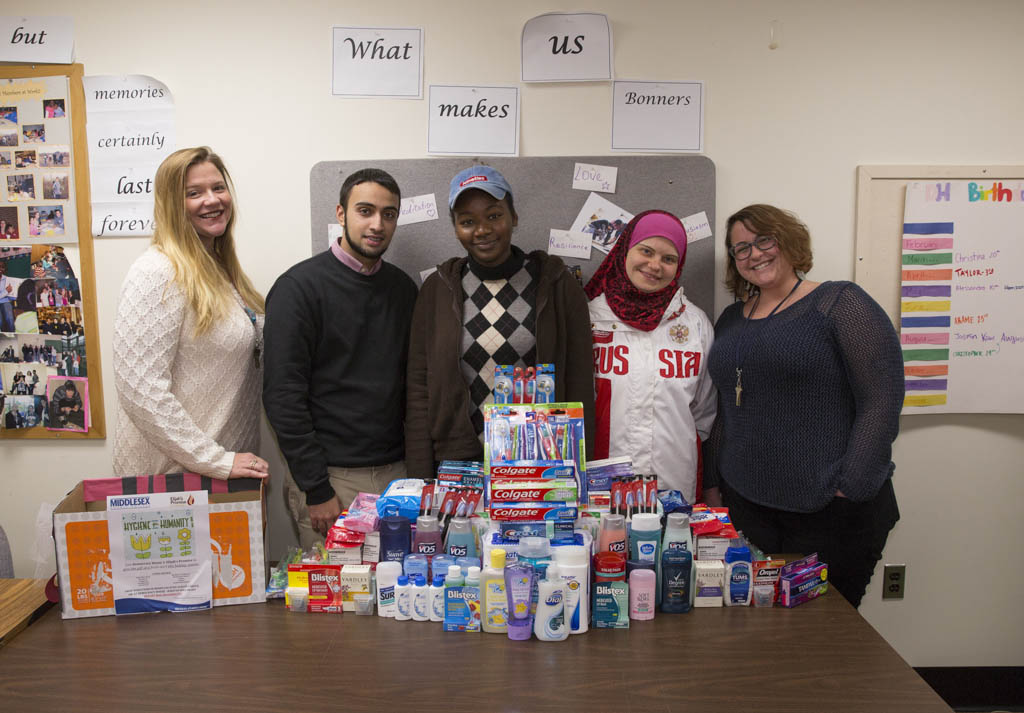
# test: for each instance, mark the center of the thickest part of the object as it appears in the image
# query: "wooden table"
(821, 656)
(20, 599)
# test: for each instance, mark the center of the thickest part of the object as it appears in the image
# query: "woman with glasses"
(810, 384)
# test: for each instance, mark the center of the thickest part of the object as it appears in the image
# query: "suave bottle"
(493, 603)
(549, 623)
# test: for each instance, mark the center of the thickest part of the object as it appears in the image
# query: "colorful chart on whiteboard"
(962, 296)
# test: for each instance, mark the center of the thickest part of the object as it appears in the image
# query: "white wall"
(872, 82)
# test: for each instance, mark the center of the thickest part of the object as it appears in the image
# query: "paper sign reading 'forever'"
(569, 244)
(590, 177)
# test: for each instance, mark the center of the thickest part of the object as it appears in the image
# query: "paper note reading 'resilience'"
(569, 244)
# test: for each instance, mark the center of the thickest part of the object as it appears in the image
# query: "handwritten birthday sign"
(962, 297)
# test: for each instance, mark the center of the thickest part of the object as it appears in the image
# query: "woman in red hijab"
(655, 400)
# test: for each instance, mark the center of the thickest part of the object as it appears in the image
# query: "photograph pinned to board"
(20, 379)
(603, 220)
(23, 411)
(8, 221)
(36, 126)
(68, 398)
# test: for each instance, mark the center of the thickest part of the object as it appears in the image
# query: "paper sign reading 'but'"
(569, 244)
(590, 177)
(697, 226)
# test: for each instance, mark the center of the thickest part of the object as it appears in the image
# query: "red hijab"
(641, 310)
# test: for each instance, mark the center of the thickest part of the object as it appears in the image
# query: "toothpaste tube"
(524, 491)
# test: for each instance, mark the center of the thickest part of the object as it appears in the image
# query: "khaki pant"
(347, 483)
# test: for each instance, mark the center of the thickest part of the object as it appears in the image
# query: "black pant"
(849, 537)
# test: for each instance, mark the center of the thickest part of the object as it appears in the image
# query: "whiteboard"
(946, 260)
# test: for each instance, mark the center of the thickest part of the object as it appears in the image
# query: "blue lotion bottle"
(739, 581)
(461, 541)
(676, 581)
(645, 542)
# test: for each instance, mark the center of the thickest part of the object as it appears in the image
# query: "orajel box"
(83, 546)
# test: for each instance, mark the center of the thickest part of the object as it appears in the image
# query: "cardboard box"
(83, 545)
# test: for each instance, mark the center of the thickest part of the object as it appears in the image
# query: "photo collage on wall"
(44, 366)
(36, 177)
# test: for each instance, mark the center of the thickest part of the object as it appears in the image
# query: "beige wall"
(910, 82)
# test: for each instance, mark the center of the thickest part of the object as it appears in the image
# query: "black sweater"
(334, 378)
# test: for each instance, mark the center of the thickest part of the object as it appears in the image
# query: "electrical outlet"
(894, 581)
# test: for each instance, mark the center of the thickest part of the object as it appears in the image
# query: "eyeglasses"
(764, 243)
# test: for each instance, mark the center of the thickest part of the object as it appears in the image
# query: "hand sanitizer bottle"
(549, 624)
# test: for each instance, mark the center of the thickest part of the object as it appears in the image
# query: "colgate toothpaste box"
(532, 512)
(322, 582)
(527, 491)
(533, 470)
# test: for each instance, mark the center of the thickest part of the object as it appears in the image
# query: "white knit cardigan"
(185, 403)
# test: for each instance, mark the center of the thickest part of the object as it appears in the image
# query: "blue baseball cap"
(482, 178)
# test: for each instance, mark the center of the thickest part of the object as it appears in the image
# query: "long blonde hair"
(206, 278)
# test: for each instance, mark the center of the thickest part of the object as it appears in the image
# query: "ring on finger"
(252, 466)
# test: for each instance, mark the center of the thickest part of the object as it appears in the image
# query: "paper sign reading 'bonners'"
(418, 209)
(697, 226)
(658, 116)
(591, 177)
(377, 62)
(569, 244)
(560, 47)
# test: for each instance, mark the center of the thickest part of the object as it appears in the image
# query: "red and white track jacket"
(655, 398)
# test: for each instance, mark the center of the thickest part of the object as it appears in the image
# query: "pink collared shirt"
(351, 262)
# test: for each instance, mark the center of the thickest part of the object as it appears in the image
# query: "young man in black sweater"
(337, 339)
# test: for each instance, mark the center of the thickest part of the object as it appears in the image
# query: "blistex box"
(462, 608)
(611, 605)
(802, 580)
(322, 582)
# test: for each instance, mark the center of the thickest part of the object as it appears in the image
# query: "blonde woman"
(188, 335)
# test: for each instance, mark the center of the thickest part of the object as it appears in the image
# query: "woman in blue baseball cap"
(496, 305)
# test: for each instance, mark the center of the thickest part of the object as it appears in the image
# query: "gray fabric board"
(544, 199)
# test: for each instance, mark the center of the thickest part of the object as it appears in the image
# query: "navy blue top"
(822, 394)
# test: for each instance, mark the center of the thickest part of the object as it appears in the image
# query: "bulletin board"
(940, 248)
(49, 253)
(544, 199)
